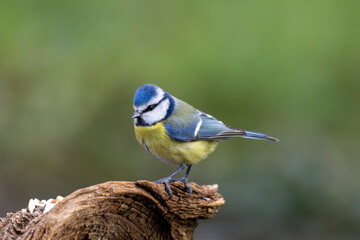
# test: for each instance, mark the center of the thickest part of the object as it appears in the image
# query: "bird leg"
(170, 179)
(184, 180)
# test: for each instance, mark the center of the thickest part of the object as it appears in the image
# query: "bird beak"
(136, 115)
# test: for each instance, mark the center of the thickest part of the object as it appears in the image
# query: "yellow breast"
(158, 143)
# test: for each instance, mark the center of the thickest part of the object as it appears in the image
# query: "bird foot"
(186, 183)
(169, 180)
(166, 181)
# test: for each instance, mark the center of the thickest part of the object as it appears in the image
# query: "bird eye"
(149, 108)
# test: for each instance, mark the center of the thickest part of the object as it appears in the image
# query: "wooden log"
(118, 210)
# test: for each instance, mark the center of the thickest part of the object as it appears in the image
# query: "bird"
(178, 133)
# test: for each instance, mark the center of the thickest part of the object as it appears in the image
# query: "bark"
(118, 210)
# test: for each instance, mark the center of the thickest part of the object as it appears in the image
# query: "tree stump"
(118, 210)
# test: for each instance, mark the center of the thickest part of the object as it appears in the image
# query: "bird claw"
(170, 179)
(161, 180)
(186, 183)
(167, 182)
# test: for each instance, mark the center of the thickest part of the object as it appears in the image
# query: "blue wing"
(182, 132)
(213, 129)
(204, 127)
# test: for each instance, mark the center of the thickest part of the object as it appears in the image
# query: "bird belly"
(158, 143)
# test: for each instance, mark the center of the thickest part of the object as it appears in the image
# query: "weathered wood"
(118, 210)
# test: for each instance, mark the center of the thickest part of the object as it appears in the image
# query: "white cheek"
(157, 113)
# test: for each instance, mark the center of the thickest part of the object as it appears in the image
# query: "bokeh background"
(69, 69)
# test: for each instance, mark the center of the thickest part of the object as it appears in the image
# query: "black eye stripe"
(152, 106)
(149, 108)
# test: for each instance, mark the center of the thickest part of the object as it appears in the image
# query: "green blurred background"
(69, 69)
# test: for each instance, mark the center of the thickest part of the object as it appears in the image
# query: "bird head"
(151, 105)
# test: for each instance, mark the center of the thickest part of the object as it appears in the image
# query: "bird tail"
(261, 136)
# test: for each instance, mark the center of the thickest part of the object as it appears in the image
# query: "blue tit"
(175, 132)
